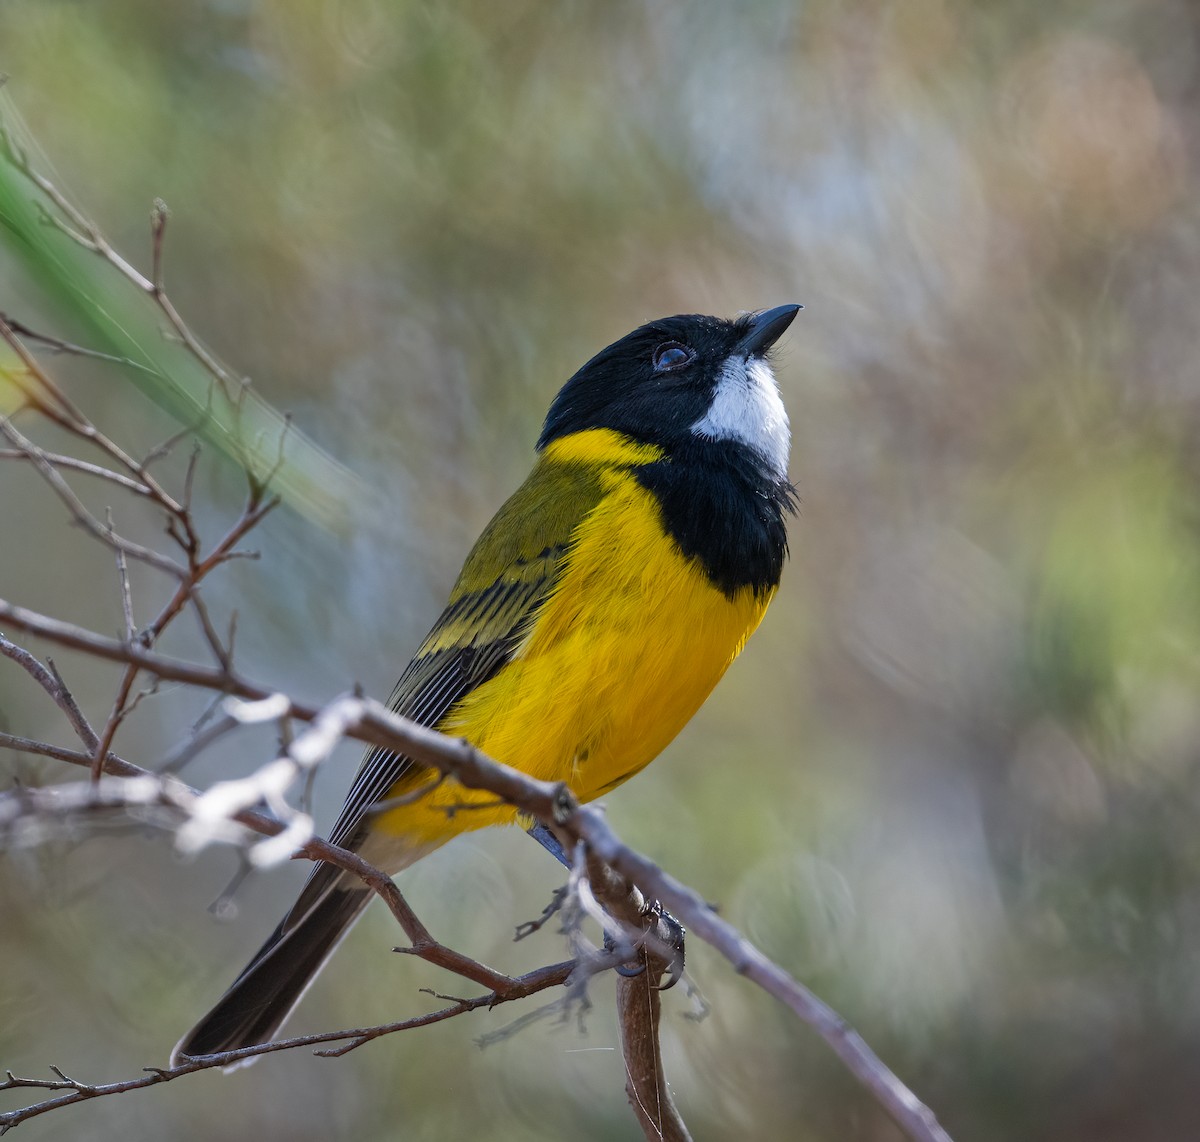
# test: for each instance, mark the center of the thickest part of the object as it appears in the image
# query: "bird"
(592, 618)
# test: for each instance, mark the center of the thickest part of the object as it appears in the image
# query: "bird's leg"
(676, 931)
(546, 838)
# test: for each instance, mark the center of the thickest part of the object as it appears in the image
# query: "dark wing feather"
(434, 681)
(511, 569)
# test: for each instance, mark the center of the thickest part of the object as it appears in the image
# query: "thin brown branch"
(61, 461)
(67, 415)
(639, 1006)
(528, 928)
(49, 679)
(209, 631)
(159, 213)
(66, 405)
(198, 569)
(123, 580)
(202, 737)
(189, 477)
(76, 1092)
(58, 345)
(120, 710)
(113, 764)
(66, 702)
(145, 692)
(133, 654)
(82, 230)
(79, 513)
(553, 804)
(165, 448)
(186, 591)
(424, 946)
(917, 1120)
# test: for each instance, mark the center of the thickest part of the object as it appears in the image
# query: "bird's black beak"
(766, 328)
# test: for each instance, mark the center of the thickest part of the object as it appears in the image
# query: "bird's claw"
(674, 942)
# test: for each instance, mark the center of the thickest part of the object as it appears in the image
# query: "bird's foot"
(669, 937)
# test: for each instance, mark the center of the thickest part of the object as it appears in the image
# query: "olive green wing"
(510, 571)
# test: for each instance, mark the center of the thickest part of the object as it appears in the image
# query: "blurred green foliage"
(93, 289)
(953, 783)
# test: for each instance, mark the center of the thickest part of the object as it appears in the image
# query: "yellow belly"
(622, 654)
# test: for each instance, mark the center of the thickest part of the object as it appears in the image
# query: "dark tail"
(271, 985)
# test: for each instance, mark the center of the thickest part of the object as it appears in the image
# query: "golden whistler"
(591, 619)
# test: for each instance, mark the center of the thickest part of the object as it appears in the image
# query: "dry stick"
(58, 345)
(126, 593)
(68, 416)
(113, 765)
(554, 804)
(524, 986)
(78, 512)
(70, 462)
(158, 228)
(638, 1010)
(424, 946)
(174, 794)
(48, 678)
(67, 407)
(219, 651)
(185, 591)
(132, 654)
(91, 238)
(180, 526)
(639, 1007)
(88, 235)
(143, 787)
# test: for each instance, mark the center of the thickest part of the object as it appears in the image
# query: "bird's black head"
(681, 378)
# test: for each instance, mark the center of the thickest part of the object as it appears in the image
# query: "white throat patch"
(746, 407)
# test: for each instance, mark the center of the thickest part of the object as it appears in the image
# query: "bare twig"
(49, 679)
(64, 403)
(66, 702)
(187, 591)
(123, 579)
(58, 345)
(113, 764)
(82, 230)
(201, 739)
(159, 213)
(524, 986)
(70, 462)
(639, 1007)
(120, 710)
(220, 653)
(910, 1114)
(639, 1004)
(78, 512)
(372, 723)
(65, 413)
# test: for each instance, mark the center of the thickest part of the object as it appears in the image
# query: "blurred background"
(952, 784)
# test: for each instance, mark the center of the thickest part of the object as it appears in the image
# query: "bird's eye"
(672, 355)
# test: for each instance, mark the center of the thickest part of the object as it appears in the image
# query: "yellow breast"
(622, 653)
